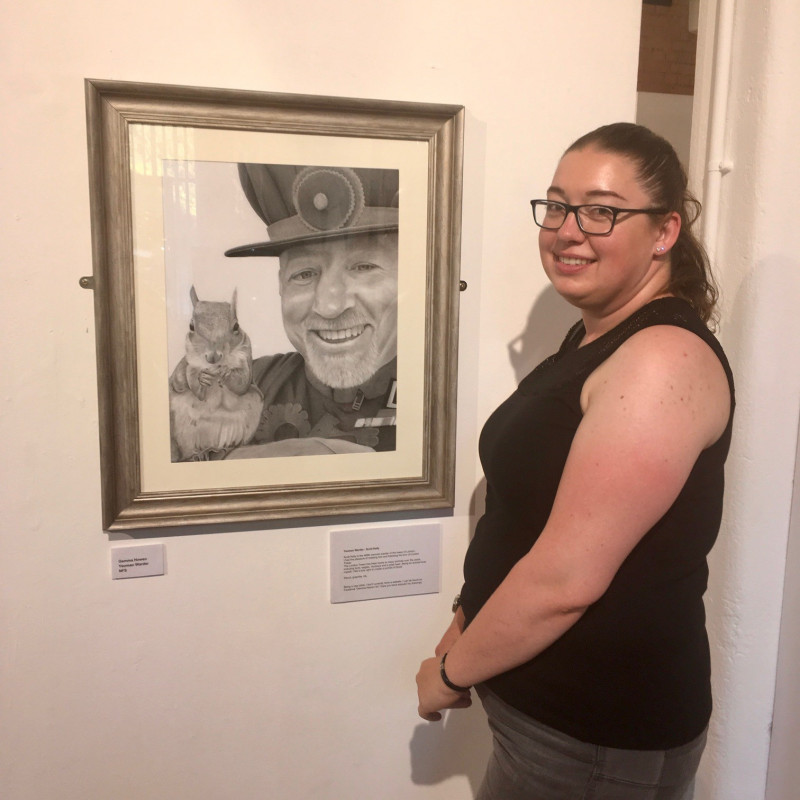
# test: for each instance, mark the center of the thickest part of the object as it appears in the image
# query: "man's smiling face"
(339, 305)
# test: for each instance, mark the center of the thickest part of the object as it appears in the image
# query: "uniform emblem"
(283, 421)
(328, 199)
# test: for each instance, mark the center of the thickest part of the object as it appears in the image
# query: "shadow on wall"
(459, 745)
(548, 322)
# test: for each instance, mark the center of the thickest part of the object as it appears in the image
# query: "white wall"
(232, 676)
(784, 767)
(758, 259)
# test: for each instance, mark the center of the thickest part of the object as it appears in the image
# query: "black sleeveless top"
(634, 671)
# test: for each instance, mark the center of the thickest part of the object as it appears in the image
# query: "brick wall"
(666, 49)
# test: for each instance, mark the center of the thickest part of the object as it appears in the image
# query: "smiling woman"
(607, 273)
(581, 621)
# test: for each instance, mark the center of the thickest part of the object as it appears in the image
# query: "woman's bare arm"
(649, 411)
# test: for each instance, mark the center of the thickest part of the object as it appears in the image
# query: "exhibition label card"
(137, 561)
(370, 563)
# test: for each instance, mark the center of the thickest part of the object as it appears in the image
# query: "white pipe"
(718, 164)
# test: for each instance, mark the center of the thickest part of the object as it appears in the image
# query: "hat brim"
(277, 247)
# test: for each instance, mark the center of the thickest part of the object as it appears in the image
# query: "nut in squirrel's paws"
(214, 405)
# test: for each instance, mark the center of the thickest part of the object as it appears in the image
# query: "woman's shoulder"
(668, 333)
(669, 349)
(665, 364)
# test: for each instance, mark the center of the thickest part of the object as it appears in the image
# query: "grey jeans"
(531, 761)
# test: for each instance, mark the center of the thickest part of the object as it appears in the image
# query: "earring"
(660, 249)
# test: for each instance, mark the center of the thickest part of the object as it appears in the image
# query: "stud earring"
(660, 249)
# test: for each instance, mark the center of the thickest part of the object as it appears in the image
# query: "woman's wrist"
(446, 680)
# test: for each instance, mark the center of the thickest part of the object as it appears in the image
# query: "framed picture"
(276, 284)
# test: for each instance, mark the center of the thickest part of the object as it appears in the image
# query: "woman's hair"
(663, 177)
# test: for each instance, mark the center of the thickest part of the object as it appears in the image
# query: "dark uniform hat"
(303, 204)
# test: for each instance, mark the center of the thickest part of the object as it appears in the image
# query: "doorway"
(666, 78)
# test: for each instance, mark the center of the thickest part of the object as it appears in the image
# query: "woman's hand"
(433, 695)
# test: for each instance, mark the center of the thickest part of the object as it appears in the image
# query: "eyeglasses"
(594, 220)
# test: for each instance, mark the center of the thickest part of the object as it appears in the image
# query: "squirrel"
(214, 404)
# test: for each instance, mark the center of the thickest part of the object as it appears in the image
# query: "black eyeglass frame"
(570, 209)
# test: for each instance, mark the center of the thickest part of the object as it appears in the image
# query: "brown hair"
(663, 177)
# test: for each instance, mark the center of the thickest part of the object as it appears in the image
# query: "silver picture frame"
(127, 123)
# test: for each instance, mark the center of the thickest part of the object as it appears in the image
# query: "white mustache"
(342, 323)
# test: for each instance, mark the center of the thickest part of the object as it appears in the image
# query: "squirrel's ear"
(233, 303)
(193, 295)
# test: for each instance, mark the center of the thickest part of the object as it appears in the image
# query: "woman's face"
(603, 274)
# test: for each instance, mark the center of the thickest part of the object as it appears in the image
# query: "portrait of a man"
(333, 240)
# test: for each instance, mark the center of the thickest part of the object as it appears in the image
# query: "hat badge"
(328, 198)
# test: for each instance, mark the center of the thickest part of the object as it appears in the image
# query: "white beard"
(343, 371)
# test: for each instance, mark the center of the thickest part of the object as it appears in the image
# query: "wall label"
(137, 561)
(370, 563)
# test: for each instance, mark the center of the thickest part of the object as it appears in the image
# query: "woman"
(581, 620)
